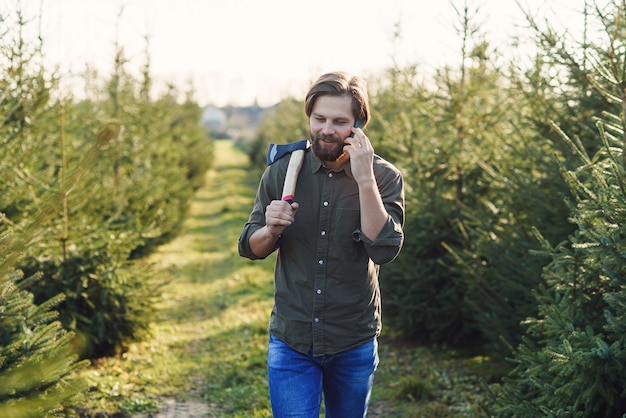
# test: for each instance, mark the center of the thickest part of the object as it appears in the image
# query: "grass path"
(215, 310)
(206, 350)
(207, 353)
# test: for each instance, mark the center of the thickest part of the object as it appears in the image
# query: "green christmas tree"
(572, 362)
(38, 357)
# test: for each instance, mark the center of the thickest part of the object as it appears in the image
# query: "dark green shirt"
(326, 291)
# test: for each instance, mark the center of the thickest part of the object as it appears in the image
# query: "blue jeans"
(298, 380)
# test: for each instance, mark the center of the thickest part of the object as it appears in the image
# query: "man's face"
(330, 123)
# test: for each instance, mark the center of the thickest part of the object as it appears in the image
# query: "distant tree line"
(516, 209)
(89, 188)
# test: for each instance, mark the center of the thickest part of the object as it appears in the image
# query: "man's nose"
(328, 128)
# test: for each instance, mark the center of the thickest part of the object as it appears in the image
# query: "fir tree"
(474, 184)
(572, 362)
(38, 358)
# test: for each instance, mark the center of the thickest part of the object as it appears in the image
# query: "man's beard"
(323, 152)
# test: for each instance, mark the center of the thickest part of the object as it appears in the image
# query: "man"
(346, 220)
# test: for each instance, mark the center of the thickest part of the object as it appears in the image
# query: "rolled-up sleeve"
(244, 241)
(387, 245)
(265, 194)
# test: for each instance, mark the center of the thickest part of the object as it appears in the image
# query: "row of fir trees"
(88, 188)
(516, 209)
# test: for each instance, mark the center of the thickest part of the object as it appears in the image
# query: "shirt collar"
(316, 165)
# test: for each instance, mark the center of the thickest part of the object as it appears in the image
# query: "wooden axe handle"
(291, 178)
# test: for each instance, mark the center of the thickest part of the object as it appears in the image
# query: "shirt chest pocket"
(346, 221)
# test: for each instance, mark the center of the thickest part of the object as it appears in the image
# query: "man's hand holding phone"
(360, 152)
(346, 155)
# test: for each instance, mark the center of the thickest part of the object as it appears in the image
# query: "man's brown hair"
(340, 83)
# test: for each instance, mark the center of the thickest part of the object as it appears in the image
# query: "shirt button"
(330, 174)
(323, 233)
(320, 262)
(318, 291)
(316, 320)
(325, 203)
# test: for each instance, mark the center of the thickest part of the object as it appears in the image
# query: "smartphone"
(357, 124)
(345, 155)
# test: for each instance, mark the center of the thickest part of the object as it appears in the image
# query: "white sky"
(239, 51)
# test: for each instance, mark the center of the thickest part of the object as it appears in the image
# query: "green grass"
(209, 339)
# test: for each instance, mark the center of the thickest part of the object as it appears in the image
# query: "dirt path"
(182, 409)
(201, 253)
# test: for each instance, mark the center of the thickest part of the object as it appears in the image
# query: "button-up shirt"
(326, 290)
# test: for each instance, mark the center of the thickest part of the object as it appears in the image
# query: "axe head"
(276, 151)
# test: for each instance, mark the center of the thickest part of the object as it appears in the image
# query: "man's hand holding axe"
(279, 214)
